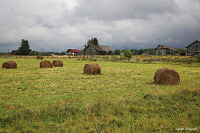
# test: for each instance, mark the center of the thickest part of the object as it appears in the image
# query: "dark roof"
(167, 47)
(74, 50)
(101, 48)
(197, 41)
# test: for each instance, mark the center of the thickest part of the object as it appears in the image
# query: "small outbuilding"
(73, 52)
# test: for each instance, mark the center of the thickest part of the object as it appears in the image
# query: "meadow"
(123, 98)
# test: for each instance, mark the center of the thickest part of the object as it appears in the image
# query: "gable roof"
(74, 50)
(167, 47)
(101, 48)
(197, 41)
(105, 48)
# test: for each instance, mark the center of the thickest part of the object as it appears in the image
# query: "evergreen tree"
(89, 42)
(95, 41)
(24, 48)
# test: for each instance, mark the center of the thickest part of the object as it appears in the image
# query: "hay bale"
(57, 63)
(9, 65)
(92, 69)
(39, 57)
(166, 76)
(45, 64)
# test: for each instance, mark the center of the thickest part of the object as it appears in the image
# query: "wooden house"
(193, 48)
(166, 50)
(97, 50)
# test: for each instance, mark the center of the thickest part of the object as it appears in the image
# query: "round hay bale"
(92, 68)
(9, 65)
(166, 76)
(39, 57)
(45, 64)
(57, 63)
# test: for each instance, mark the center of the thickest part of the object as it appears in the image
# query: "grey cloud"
(61, 24)
(120, 9)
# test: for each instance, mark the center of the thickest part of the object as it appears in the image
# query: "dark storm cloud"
(62, 24)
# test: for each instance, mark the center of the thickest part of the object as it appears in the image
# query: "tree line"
(149, 51)
(24, 49)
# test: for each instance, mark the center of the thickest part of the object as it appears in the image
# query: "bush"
(128, 54)
(187, 61)
(93, 59)
(198, 57)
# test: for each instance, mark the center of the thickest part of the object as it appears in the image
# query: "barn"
(97, 50)
(193, 48)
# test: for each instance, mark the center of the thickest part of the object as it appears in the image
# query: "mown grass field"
(122, 99)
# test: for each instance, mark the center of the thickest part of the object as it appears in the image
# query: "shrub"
(198, 57)
(128, 54)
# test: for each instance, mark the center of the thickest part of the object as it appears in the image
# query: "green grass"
(122, 99)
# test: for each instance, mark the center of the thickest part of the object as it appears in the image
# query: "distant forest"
(24, 49)
(150, 51)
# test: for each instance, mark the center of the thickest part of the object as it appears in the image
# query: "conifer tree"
(24, 48)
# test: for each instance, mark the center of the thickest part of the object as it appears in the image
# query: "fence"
(135, 58)
(54, 56)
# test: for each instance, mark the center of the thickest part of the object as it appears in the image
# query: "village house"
(73, 52)
(97, 50)
(193, 48)
(165, 50)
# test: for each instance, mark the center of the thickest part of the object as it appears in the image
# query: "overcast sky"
(56, 25)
